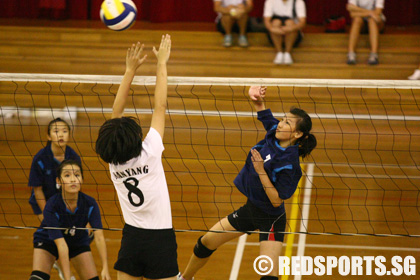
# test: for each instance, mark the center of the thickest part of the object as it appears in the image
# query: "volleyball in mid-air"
(118, 15)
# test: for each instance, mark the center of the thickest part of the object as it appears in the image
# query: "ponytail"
(308, 141)
(306, 145)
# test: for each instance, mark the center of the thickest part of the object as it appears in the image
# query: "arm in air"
(161, 89)
(133, 62)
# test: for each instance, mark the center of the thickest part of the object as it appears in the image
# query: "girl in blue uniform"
(70, 209)
(42, 177)
(270, 176)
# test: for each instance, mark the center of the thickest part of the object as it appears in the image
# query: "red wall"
(192, 10)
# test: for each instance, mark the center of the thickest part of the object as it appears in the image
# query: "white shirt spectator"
(284, 8)
(226, 3)
(368, 4)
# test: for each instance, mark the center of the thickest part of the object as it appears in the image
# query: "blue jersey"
(44, 171)
(56, 214)
(281, 164)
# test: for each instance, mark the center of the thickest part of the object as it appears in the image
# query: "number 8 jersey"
(141, 186)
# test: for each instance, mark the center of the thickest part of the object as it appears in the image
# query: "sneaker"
(243, 41)
(179, 277)
(279, 58)
(60, 273)
(351, 58)
(287, 59)
(373, 59)
(415, 76)
(227, 41)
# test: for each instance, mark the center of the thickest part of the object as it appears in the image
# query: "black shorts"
(249, 218)
(148, 252)
(282, 19)
(74, 251)
(283, 22)
(235, 27)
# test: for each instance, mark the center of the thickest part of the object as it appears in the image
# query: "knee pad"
(94, 278)
(39, 275)
(202, 251)
(269, 278)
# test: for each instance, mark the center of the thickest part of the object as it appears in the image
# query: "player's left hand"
(257, 93)
(257, 161)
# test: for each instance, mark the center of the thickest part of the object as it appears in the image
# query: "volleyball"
(118, 15)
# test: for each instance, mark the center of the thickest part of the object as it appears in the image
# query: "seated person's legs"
(243, 25)
(290, 38)
(276, 36)
(356, 25)
(227, 23)
(374, 28)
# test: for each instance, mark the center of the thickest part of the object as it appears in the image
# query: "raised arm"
(133, 61)
(257, 94)
(161, 89)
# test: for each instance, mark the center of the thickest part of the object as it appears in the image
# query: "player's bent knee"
(201, 251)
(94, 278)
(269, 278)
(39, 275)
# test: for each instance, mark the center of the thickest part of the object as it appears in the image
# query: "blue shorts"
(74, 251)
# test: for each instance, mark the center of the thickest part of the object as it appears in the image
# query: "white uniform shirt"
(284, 9)
(141, 186)
(368, 4)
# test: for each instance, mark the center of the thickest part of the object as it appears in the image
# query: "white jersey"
(141, 186)
(284, 8)
(368, 4)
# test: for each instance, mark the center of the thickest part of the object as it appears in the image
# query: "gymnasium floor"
(365, 178)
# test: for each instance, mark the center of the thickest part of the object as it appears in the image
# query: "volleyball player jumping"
(270, 176)
(148, 246)
(71, 209)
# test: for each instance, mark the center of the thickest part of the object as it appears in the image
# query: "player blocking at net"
(148, 246)
(270, 176)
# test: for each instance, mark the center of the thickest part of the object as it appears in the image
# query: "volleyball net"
(362, 179)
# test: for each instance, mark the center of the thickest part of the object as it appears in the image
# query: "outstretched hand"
(134, 59)
(257, 93)
(164, 50)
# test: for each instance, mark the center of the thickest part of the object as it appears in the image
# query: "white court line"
(238, 257)
(9, 237)
(349, 247)
(305, 213)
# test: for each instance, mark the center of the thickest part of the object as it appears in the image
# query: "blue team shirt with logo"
(281, 164)
(44, 171)
(56, 214)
